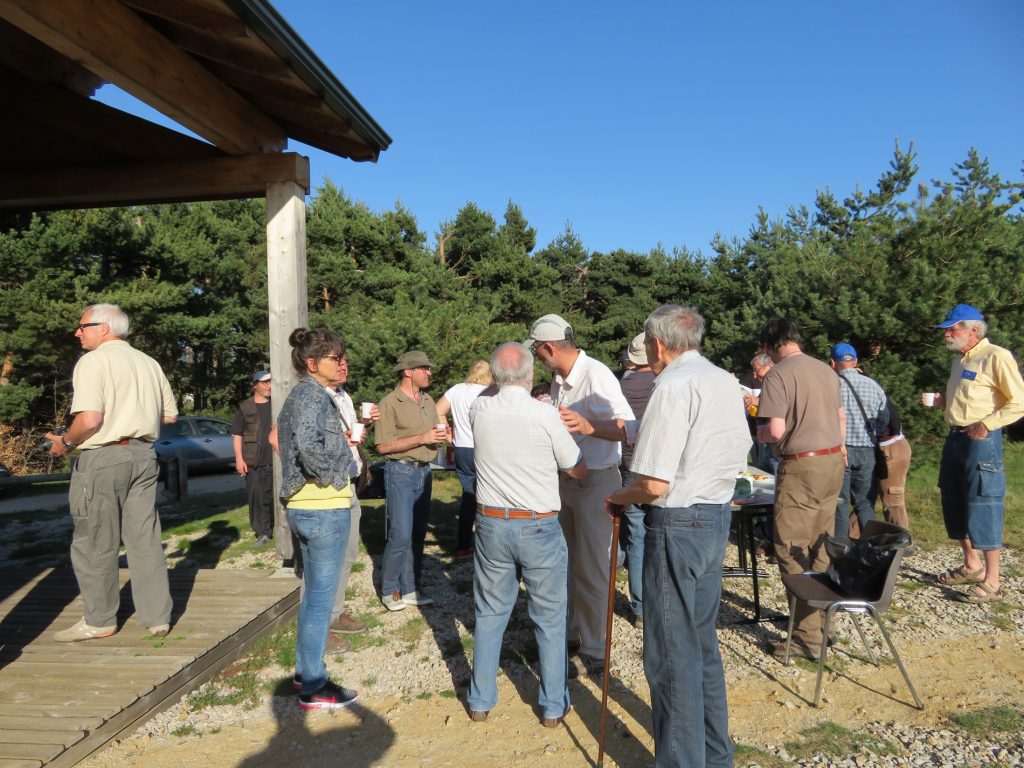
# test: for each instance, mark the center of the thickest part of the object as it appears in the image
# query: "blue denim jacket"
(313, 445)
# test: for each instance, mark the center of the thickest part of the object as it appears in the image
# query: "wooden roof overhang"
(231, 71)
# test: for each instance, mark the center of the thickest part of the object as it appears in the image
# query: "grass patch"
(364, 640)
(834, 740)
(746, 755)
(984, 722)
(911, 585)
(411, 632)
(358, 566)
(449, 694)
(425, 696)
(369, 682)
(185, 730)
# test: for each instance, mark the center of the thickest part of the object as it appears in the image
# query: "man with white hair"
(520, 445)
(693, 441)
(984, 393)
(121, 399)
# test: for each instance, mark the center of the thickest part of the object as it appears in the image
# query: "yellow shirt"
(984, 385)
(313, 496)
(128, 387)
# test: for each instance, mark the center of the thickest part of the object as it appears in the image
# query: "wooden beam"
(151, 182)
(196, 16)
(249, 54)
(288, 309)
(42, 64)
(115, 43)
(91, 124)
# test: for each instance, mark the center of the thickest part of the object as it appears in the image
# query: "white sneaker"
(83, 631)
(160, 630)
(393, 601)
(417, 598)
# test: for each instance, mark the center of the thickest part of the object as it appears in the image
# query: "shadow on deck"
(60, 702)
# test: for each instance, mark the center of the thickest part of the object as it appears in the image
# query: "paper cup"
(928, 399)
(357, 432)
(441, 425)
(366, 411)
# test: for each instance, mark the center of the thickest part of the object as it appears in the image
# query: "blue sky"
(663, 122)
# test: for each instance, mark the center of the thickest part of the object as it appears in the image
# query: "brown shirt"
(402, 416)
(804, 392)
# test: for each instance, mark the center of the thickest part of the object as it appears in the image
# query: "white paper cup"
(357, 432)
(441, 425)
(366, 411)
(928, 399)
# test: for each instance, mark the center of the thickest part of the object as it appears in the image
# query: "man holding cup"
(407, 434)
(984, 393)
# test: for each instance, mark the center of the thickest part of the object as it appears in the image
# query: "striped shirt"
(694, 433)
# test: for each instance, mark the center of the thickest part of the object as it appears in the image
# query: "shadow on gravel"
(360, 743)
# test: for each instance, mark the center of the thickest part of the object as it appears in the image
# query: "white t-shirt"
(460, 398)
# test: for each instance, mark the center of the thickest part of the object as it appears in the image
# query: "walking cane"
(608, 634)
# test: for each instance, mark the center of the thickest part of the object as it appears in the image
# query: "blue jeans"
(322, 535)
(858, 489)
(973, 486)
(408, 501)
(538, 548)
(465, 469)
(633, 545)
(683, 586)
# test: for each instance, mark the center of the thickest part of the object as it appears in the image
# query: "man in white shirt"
(520, 445)
(587, 387)
(693, 441)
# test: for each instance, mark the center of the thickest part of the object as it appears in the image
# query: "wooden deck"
(61, 702)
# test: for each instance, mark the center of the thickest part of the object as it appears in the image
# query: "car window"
(211, 427)
(177, 429)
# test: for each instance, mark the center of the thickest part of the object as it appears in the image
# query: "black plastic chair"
(817, 590)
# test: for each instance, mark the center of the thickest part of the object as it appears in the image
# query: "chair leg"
(829, 612)
(895, 655)
(863, 639)
(789, 632)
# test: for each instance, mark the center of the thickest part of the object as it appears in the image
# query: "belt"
(809, 454)
(511, 514)
(411, 462)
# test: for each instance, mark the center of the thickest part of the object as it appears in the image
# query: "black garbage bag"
(858, 566)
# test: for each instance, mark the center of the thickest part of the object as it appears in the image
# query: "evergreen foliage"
(877, 269)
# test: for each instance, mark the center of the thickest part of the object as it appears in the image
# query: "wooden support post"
(286, 285)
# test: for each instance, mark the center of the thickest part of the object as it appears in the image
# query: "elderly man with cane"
(692, 443)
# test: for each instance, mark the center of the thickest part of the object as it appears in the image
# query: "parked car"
(206, 441)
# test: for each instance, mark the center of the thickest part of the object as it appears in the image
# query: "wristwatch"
(67, 445)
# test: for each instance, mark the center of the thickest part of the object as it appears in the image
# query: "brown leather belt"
(809, 454)
(511, 514)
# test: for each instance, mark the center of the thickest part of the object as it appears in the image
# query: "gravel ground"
(420, 653)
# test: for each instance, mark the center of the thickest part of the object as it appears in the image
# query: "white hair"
(113, 316)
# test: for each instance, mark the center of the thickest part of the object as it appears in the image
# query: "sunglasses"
(83, 326)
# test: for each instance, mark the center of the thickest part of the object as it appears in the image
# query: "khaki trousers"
(894, 504)
(112, 497)
(588, 535)
(806, 491)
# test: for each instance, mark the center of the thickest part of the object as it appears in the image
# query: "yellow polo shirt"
(984, 385)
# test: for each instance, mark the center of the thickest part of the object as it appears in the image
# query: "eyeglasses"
(83, 326)
(336, 358)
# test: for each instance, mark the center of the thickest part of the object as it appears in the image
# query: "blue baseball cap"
(959, 313)
(843, 353)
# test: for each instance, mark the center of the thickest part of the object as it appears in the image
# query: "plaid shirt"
(872, 397)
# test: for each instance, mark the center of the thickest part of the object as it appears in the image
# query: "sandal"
(980, 593)
(959, 576)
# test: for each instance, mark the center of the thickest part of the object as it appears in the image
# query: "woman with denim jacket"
(316, 492)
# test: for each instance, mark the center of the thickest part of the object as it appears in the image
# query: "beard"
(956, 345)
